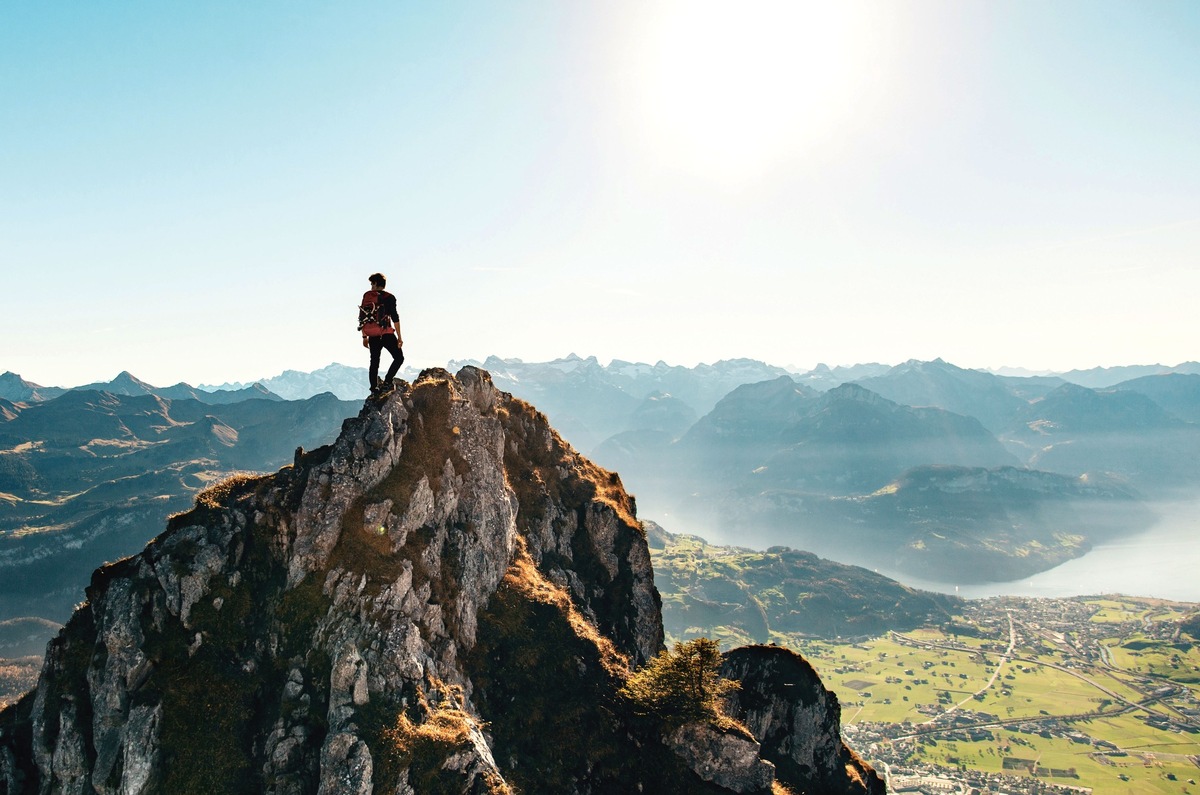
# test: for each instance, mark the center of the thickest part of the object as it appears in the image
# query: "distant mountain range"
(91, 474)
(1177, 393)
(589, 402)
(1103, 377)
(1122, 432)
(863, 460)
(856, 477)
(848, 440)
(699, 387)
(127, 384)
(343, 381)
(991, 399)
(15, 389)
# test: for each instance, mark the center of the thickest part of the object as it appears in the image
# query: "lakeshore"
(1160, 561)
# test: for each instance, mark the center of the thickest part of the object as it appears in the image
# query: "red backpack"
(372, 319)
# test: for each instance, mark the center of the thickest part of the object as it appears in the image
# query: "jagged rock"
(783, 703)
(726, 757)
(10, 776)
(447, 599)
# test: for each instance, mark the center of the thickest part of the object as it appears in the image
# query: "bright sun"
(730, 89)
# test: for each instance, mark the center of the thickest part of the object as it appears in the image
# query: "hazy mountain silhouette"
(848, 440)
(973, 393)
(662, 413)
(1031, 387)
(126, 383)
(589, 402)
(700, 387)
(823, 377)
(343, 381)
(1178, 393)
(1075, 430)
(1102, 377)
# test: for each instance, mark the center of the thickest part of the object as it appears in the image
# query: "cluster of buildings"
(921, 781)
(893, 762)
(1062, 634)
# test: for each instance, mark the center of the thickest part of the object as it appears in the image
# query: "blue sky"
(198, 191)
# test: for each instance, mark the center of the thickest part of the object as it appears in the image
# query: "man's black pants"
(376, 344)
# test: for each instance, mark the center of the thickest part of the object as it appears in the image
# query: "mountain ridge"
(90, 476)
(16, 389)
(745, 596)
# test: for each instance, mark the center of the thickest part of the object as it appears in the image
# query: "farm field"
(1099, 694)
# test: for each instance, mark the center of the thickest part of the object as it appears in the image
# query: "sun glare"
(731, 89)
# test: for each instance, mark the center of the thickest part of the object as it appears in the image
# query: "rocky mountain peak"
(126, 383)
(15, 388)
(449, 598)
(859, 394)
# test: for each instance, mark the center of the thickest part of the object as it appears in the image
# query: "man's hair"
(378, 278)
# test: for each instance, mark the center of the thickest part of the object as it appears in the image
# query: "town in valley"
(1021, 695)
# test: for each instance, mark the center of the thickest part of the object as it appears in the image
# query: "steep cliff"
(447, 599)
(781, 700)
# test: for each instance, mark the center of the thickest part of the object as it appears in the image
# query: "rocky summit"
(448, 599)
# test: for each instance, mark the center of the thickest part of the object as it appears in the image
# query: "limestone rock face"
(447, 599)
(724, 757)
(784, 704)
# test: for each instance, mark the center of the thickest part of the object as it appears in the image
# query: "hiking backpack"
(372, 319)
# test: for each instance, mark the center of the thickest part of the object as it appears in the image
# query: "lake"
(1162, 561)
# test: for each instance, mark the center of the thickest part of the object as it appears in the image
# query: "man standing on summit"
(380, 326)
